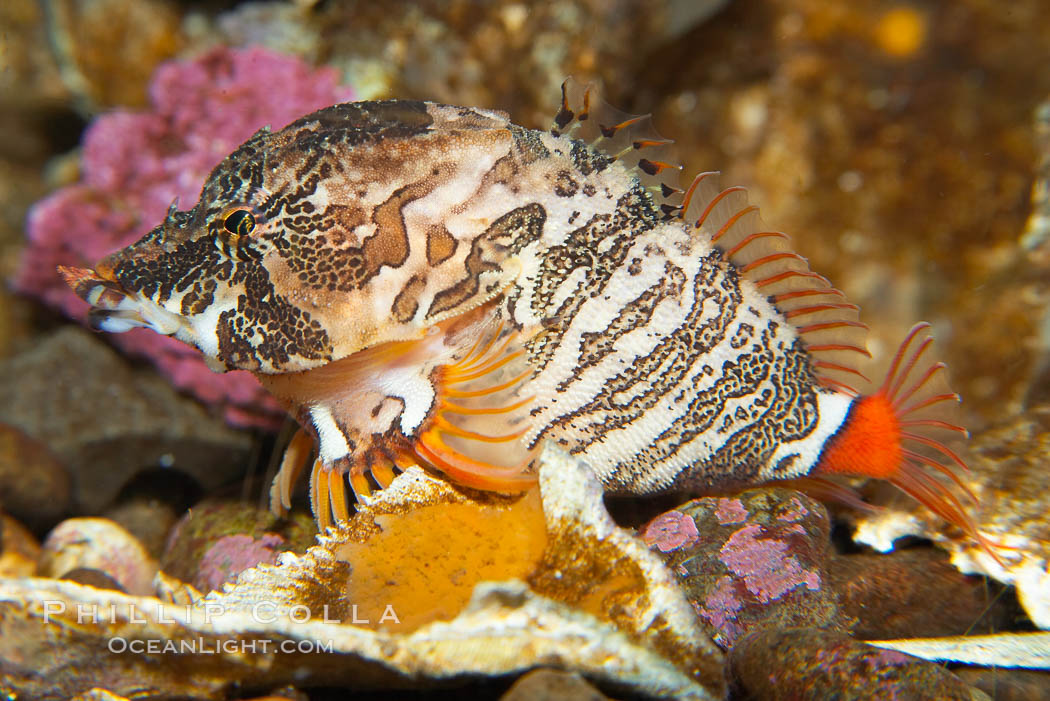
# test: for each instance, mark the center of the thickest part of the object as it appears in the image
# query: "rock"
(97, 694)
(425, 562)
(98, 544)
(151, 504)
(1008, 684)
(805, 663)
(552, 685)
(93, 578)
(30, 73)
(909, 228)
(107, 421)
(149, 520)
(108, 48)
(216, 540)
(134, 164)
(34, 486)
(757, 559)
(914, 594)
(19, 550)
(443, 51)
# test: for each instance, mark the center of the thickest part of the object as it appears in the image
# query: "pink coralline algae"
(671, 531)
(730, 511)
(231, 555)
(134, 164)
(720, 608)
(764, 564)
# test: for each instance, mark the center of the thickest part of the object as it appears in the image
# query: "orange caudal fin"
(892, 434)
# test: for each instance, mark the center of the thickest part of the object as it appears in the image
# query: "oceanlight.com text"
(205, 646)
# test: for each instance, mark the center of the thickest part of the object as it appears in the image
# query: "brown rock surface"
(107, 421)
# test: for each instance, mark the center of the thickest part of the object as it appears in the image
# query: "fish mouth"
(114, 309)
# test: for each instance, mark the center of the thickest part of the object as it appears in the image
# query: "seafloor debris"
(1000, 650)
(216, 540)
(34, 486)
(1009, 476)
(19, 550)
(598, 602)
(793, 663)
(915, 592)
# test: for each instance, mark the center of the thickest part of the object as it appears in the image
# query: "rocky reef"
(904, 146)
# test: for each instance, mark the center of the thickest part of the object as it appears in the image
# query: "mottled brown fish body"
(429, 284)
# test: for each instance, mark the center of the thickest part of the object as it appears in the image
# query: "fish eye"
(233, 237)
(240, 222)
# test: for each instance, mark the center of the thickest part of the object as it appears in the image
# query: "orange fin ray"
(319, 501)
(478, 351)
(901, 396)
(470, 472)
(878, 436)
(359, 484)
(488, 390)
(842, 368)
(943, 469)
(459, 377)
(933, 495)
(826, 490)
(452, 408)
(938, 499)
(751, 238)
(814, 308)
(479, 357)
(832, 382)
(383, 473)
(444, 426)
(936, 445)
(293, 462)
(894, 391)
(832, 332)
(936, 423)
(337, 495)
(811, 292)
(470, 439)
(926, 403)
(902, 349)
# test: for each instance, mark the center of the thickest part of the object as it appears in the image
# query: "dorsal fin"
(628, 138)
(827, 323)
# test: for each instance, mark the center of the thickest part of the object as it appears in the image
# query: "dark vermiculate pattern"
(508, 234)
(625, 396)
(633, 215)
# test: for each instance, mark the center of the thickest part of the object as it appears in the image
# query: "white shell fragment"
(1030, 650)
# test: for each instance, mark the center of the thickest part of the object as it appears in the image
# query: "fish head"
(300, 250)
